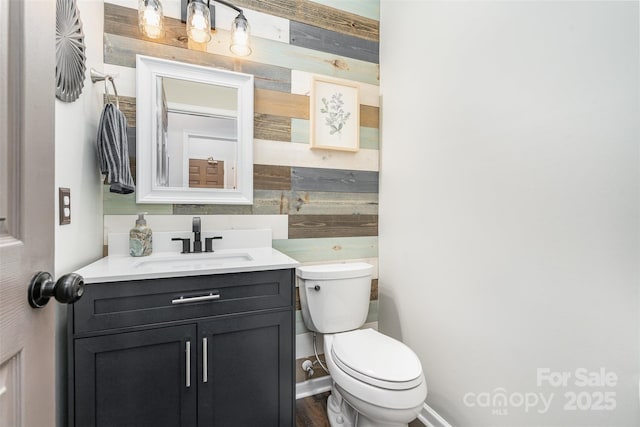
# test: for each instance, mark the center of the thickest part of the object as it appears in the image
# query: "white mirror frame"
(148, 69)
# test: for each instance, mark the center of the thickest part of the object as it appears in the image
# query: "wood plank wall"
(330, 198)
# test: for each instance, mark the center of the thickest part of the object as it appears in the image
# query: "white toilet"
(377, 380)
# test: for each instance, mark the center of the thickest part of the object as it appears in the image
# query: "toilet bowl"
(379, 377)
(376, 380)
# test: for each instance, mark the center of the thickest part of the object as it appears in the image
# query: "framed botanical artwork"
(334, 114)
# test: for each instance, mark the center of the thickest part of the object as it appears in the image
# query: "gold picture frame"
(334, 115)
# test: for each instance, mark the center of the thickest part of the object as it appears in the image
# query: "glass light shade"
(150, 18)
(198, 22)
(240, 36)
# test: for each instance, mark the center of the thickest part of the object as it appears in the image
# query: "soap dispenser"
(140, 238)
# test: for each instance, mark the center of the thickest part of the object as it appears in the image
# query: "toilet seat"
(378, 396)
(377, 359)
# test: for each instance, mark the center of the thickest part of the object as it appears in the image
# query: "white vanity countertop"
(233, 256)
(118, 268)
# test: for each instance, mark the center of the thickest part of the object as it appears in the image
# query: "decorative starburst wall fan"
(70, 51)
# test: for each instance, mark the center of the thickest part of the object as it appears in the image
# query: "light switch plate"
(64, 202)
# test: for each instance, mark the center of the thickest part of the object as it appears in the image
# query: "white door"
(27, 94)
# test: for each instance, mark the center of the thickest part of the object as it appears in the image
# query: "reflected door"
(27, 88)
(206, 173)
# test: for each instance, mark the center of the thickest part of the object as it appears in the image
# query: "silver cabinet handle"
(205, 368)
(188, 300)
(187, 350)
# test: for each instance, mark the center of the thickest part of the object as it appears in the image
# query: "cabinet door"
(139, 379)
(246, 378)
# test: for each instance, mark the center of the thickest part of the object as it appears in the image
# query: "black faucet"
(209, 243)
(185, 244)
(197, 244)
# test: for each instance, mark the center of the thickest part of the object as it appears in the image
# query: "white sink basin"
(239, 251)
(194, 261)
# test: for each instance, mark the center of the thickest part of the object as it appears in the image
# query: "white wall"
(509, 237)
(76, 160)
(76, 168)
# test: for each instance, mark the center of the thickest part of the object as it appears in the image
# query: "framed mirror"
(194, 134)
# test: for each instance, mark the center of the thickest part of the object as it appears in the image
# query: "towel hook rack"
(97, 76)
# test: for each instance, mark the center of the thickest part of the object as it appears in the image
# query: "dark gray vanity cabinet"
(156, 353)
(245, 370)
(135, 379)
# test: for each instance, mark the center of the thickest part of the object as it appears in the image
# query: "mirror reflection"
(197, 143)
(194, 134)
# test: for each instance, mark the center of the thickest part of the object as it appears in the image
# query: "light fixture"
(200, 19)
(240, 36)
(150, 18)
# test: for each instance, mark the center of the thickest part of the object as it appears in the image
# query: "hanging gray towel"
(113, 152)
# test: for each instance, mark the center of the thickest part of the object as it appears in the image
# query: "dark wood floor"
(312, 412)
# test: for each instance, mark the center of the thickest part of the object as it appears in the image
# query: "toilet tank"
(334, 297)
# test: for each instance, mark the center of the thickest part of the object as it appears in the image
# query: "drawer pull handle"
(188, 300)
(205, 367)
(187, 350)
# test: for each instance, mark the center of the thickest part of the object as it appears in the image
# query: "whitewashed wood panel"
(300, 128)
(199, 210)
(332, 203)
(367, 8)
(170, 8)
(262, 24)
(280, 153)
(299, 58)
(318, 15)
(300, 131)
(122, 204)
(270, 202)
(122, 50)
(301, 85)
(279, 224)
(329, 248)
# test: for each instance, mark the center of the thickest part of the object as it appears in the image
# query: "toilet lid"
(377, 359)
(334, 271)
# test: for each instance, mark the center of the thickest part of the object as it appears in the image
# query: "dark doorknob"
(68, 289)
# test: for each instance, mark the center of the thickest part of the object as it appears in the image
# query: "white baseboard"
(431, 418)
(311, 387)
